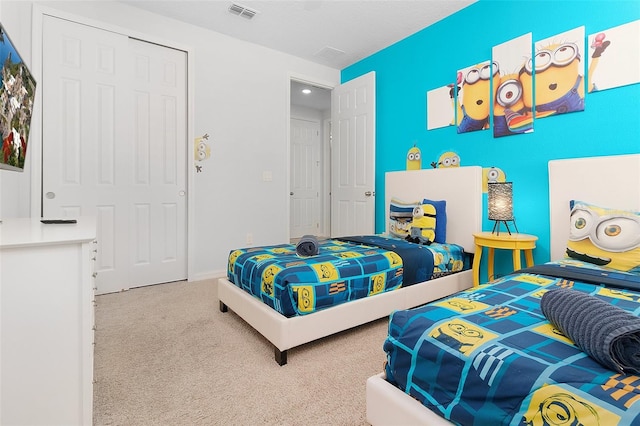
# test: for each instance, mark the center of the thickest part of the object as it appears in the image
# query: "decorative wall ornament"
(446, 160)
(202, 150)
(492, 175)
(414, 158)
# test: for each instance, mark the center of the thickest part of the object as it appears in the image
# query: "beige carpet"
(166, 355)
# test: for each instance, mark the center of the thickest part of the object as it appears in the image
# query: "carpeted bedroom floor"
(166, 355)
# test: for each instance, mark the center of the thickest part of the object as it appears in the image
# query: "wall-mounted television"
(17, 94)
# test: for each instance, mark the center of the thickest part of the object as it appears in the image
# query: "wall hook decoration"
(202, 150)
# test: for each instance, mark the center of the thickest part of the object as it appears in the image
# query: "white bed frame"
(461, 187)
(610, 181)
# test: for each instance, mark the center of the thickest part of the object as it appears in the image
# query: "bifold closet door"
(114, 147)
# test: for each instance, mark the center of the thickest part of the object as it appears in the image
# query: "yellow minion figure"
(447, 160)
(509, 113)
(473, 111)
(414, 159)
(492, 175)
(559, 86)
(423, 225)
(606, 237)
(202, 150)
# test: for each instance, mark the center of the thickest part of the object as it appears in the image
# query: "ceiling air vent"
(329, 53)
(243, 11)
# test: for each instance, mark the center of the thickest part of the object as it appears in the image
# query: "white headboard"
(461, 187)
(610, 181)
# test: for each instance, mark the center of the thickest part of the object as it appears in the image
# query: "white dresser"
(46, 322)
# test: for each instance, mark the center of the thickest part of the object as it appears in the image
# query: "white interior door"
(114, 147)
(305, 177)
(353, 107)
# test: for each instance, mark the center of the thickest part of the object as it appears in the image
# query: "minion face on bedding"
(605, 237)
(461, 335)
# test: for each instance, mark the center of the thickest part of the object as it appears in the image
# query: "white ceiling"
(315, 30)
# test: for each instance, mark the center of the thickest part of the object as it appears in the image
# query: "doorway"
(310, 168)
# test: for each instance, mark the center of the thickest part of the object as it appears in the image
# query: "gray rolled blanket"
(607, 333)
(307, 246)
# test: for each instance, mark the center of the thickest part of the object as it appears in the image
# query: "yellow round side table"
(517, 243)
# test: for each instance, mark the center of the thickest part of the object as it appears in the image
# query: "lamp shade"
(500, 200)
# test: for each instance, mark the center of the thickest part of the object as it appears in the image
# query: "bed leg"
(281, 356)
(223, 307)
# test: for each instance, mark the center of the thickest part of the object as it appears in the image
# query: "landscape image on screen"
(17, 92)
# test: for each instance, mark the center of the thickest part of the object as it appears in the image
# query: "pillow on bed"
(441, 219)
(606, 237)
(400, 217)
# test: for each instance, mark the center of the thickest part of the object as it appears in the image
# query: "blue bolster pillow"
(307, 246)
(607, 333)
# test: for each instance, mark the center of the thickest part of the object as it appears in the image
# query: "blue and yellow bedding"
(489, 356)
(342, 271)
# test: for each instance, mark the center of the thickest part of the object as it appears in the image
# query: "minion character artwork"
(474, 97)
(608, 238)
(559, 82)
(447, 160)
(492, 175)
(414, 158)
(202, 150)
(510, 116)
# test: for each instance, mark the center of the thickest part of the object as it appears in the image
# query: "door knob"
(368, 193)
(50, 195)
(291, 193)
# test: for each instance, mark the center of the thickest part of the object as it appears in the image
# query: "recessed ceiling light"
(306, 91)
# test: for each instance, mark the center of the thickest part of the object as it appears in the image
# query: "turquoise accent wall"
(429, 59)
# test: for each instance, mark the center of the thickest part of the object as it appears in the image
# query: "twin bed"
(504, 352)
(292, 300)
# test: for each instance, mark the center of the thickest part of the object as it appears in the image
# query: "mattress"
(345, 269)
(488, 355)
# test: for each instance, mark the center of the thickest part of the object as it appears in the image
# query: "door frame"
(325, 199)
(35, 145)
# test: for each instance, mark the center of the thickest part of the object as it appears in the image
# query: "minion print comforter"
(489, 356)
(341, 272)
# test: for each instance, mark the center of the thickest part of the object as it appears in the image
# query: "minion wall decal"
(492, 175)
(447, 160)
(474, 97)
(202, 150)
(414, 158)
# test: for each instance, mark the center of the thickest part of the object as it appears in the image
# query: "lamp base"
(496, 226)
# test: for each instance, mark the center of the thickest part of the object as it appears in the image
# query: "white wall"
(241, 100)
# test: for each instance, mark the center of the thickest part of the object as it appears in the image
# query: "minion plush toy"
(423, 225)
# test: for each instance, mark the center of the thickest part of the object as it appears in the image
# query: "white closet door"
(114, 146)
